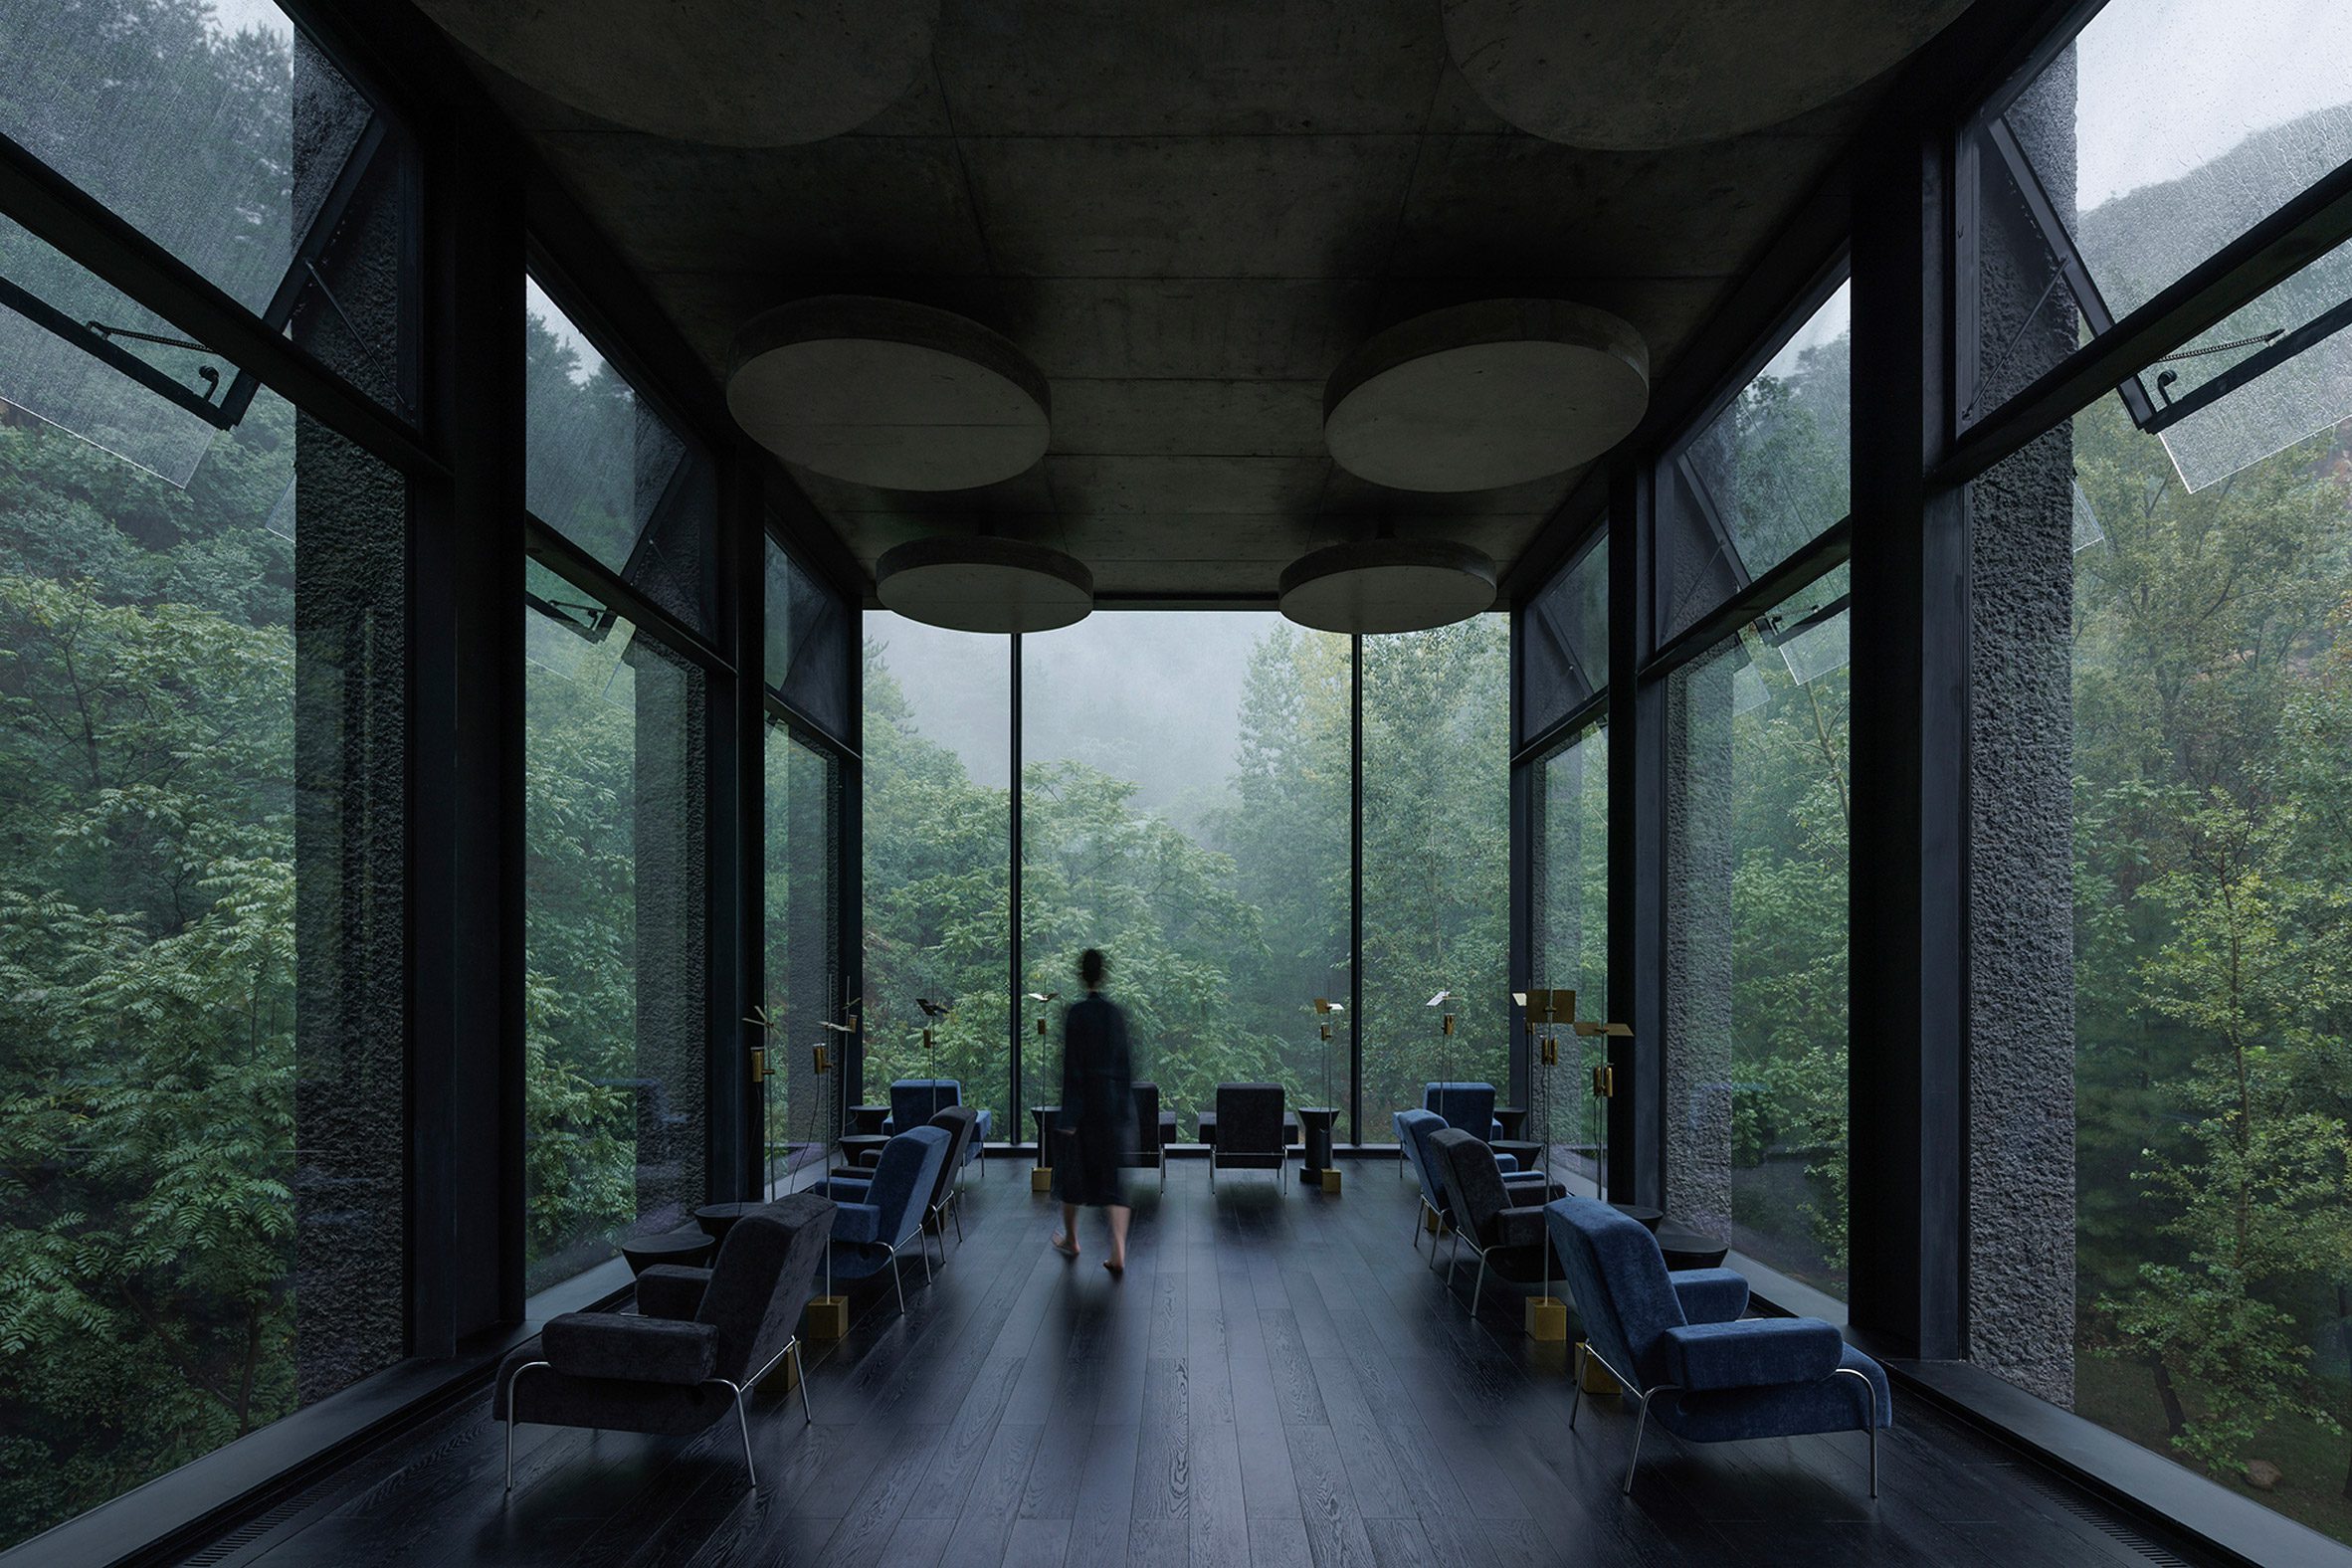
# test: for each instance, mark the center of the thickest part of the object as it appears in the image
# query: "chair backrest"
(1148, 1123)
(1619, 1281)
(1422, 1126)
(903, 1176)
(959, 1122)
(1412, 1130)
(1473, 1181)
(1470, 1106)
(914, 1101)
(765, 1272)
(1250, 1118)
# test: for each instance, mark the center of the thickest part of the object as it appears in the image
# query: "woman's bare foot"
(1118, 1266)
(1067, 1245)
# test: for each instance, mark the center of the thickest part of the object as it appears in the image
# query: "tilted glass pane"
(66, 384)
(606, 472)
(808, 644)
(229, 139)
(1566, 632)
(1765, 477)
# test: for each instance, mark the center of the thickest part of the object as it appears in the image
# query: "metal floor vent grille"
(2079, 1506)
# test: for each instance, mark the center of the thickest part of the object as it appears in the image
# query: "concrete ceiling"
(1186, 214)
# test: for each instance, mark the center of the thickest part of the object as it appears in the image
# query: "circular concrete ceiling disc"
(984, 585)
(768, 74)
(886, 393)
(1388, 585)
(1635, 74)
(1482, 395)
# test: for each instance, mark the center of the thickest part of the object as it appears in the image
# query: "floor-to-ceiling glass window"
(1185, 808)
(202, 761)
(1757, 810)
(615, 760)
(937, 766)
(803, 997)
(1757, 825)
(1569, 941)
(2175, 566)
(1437, 847)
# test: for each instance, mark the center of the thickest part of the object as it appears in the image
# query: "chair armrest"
(867, 1159)
(635, 1349)
(1509, 1164)
(1709, 1295)
(856, 1222)
(672, 1291)
(1756, 1352)
(1521, 1227)
(848, 1189)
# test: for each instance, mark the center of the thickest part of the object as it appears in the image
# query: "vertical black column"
(1012, 1124)
(1355, 888)
(1524, 861)
(738, 843)
(1637, 852)
(1907, 887)
(465, 1091)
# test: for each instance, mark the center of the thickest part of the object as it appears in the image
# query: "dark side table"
(1529, 1154)
(716, 1218)
(690, 1249)
(1513, 1120)
(868, 1119)
(852, 1144)
(1317, 1120)
(1686, 1247)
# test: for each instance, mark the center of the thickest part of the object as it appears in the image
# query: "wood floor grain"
(1278, 1381)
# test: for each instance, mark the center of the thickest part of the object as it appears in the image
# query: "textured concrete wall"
(1699, 862)
(2021, 1200)
(350, 821)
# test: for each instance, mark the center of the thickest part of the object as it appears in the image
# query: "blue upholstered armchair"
(875, 1216)
(1470, 1106)
(1677, 1343)
(1414, 1130)
(1506, 1227)
(960, 1124)
(914, 1101)
(699, 1339)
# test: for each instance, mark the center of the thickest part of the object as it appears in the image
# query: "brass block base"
(827, 1317)
(1330, 1183)
(1040, 1178)
(1547, 1318)
(1429, 1221)
(1596, 1377)
(788, 1375)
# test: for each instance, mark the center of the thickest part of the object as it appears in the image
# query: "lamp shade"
(984, 584)
(1388, 585)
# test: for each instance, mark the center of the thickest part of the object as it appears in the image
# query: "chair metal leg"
(1870, 1417)
(1873, 1458)
(925, 1249)
(900, 1283)
(1576, 1400)
(1640, 1421)
(1480, 1288)
(800, 1375)
(513, 1420)
(1417, 1230)
(958, 1205)
(743, 1424)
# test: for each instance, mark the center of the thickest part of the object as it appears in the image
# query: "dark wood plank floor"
(1277, 1382)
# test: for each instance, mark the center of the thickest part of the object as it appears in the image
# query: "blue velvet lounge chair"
(1678, 1344)
(1414, 1131)
(960, 1124)
(914, 1101)
(698, 1341)
(875, 1216)
(1504, 1227)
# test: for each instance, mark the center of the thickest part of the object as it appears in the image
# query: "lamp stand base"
(1547, 1319)
(827, 1317)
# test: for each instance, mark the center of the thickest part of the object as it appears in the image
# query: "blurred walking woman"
(1097, 1125)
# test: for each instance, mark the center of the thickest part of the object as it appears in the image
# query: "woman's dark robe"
(1097, 1120)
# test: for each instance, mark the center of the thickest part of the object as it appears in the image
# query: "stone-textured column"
(2020, 1094)
(671, 950)
(351, 528)
(1699, 862)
